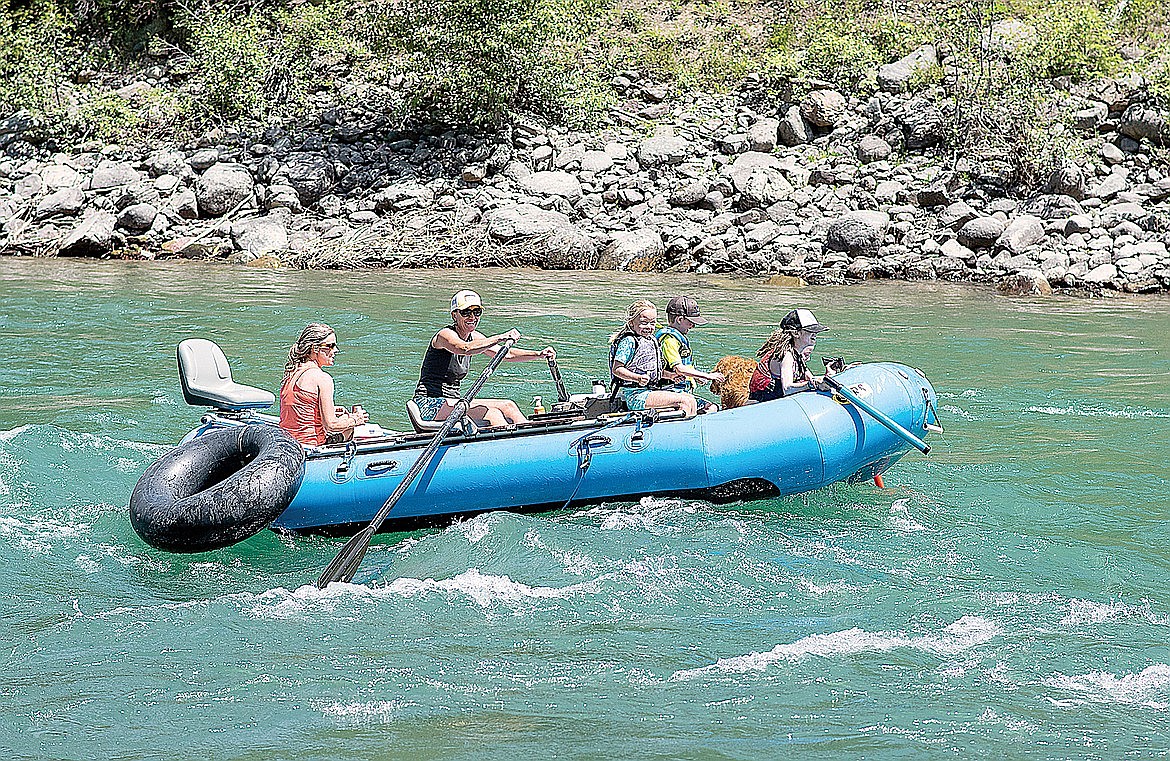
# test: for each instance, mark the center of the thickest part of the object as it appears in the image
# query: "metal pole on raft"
(878, 415)
(345, 565)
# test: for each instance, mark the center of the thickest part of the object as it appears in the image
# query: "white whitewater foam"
(1132, 414)
(967, 632)
(383, 710)
(484, 589)
(34, 534)
(87, 564)
(572, 562)
(900, 518)
(7, 436)
(839, 587)
(1089, 612)
(1150, 688)
(958, 411)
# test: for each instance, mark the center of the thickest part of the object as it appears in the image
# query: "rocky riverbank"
(827, 188)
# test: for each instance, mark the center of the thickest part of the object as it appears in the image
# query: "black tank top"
(442, 372)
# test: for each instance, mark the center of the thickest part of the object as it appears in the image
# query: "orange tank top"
(300, 412)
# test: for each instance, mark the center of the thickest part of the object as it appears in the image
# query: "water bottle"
(537, 406)
(598, 387)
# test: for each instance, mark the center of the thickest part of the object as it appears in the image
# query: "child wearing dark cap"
(682, 314)
(782, 368)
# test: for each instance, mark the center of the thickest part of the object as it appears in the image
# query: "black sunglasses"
(330, 345)
(471, 312)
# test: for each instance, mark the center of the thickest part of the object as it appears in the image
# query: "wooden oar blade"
(345, 565)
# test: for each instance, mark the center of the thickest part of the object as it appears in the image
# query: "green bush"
(1072, 39)
(34, 51)
(476, 61)
(840, 44)
(262, 64)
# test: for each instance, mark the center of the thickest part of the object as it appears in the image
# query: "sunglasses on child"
(471, 312)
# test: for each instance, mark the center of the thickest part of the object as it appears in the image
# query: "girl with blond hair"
(635, 363)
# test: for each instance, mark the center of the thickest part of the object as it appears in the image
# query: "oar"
(878, 415)
(345, 565)
(562, 394)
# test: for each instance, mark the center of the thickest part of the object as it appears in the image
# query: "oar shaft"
(345, 564)
(562, 393)
(878, 415)
(457, 414)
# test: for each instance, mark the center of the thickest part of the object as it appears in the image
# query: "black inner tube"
(217, 489)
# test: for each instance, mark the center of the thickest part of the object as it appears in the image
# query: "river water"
(1005, 596)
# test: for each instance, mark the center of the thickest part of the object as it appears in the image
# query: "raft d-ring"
(342, 472)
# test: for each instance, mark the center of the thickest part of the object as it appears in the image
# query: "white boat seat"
(426, 426)
(207, 379)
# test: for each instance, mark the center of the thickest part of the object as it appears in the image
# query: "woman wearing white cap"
(448, 360)
(782, 366)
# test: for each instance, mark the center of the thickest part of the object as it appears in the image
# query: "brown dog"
(733, 392)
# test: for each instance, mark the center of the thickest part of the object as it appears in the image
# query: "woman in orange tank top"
(306, 395)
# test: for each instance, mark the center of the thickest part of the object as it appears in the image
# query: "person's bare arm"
(478, 343)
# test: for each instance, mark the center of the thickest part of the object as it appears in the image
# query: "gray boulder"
(824, 108)
(524, 221)
(137, 217)
(93, 236)
(553, 183)
(1116, 213)
(639, 250)
(18, 123)
(1029, 282)
(1101, 275)
(402, 195)
(665, 150)
(1091, 117)
(596, 161)
(872, 148)
(1068, 180)
(981, 232)
(261, 235)
(956, 215)
(894, 77)
(793, 129)
(167, 162)
(64, 201)
(1141, 122)
(923, 123)
(310, 174)
(109, 175)
(690, 194)
(1022, 233)
(203, 159)
(1051, 206)
(858, 233)
(185, 204)
(222, 188)
(60, 176)
(763, 135)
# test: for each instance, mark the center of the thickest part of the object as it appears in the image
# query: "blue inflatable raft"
(787, 446)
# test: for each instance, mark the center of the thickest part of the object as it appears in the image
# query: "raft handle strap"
(936, 426)
(584, 446)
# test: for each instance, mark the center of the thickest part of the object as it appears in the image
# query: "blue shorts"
(682, 388)
(429, 406)
(635, 398)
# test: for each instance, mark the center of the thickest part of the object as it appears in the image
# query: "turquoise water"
(1005, 596)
